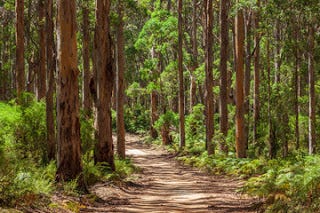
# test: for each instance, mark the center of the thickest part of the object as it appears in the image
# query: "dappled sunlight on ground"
(164, 185)
(135, 152)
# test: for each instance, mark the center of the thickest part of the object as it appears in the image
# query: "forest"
(159, 106)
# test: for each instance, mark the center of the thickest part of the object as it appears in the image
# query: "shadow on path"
(166, 186)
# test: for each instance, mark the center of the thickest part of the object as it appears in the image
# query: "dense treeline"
(214, 79)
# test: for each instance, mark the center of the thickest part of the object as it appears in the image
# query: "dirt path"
(165, 186)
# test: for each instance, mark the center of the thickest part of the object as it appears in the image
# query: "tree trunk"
(120, 85)
(20, 75)
(296, 88)
(277, 62)
(256, 93)
(239, 34)
(312, 101)
(51, 67)
(154, 107)
(69, 157)
(231, 91)
(193, 84)
(86, 97)
(41, 77)
(209, 106)
(272, 137)
(30, 87)
(247, 75)
(4, 59)
(104, 80)
(224, 43)
(154, 114)
(181, 81)
(169, 5)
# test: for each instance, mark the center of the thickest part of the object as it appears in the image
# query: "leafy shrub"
(293, 186)
(170, 119)
(166, 126)
(22, 181)
(30, 132)
(195, 127)
(21, 178)
(93, 173)
(136, 118)
(87, 132)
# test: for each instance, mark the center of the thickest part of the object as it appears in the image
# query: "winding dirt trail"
(164, 185)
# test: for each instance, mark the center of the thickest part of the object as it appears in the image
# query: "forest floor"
(164, 185)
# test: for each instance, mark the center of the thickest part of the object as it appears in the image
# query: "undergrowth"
(101, 172)
(26, 175)
(287, 185)
(290, 184)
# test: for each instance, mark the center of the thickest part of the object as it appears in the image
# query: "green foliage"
(134, 90)
(169, 119)
(293, 186)
(124, 168)
(71, 187)
(93, 173)
(30, 131)
(159, 30)
(9, 116)
(87, 134)
(287, 185)
(22, 178)
(21, 181)
(195, 130)
(136, 118)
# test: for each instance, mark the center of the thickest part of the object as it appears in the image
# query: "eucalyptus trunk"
(51, 68)
(69, 156)
(239, 35)
(312, 100)
(20, 73)
(41, 75)
(120, 85)
(104, 150)
(209, 106)
(86, 74)
(224, 43)
(181, 80)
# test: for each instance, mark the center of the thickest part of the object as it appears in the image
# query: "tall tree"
(247, 72)
(153, 106)
(239, 45)
(277, 50)
(181, 81)
(312, 100)
(209, 106)
(86, 75)
(120, 84)
(51, 68)
(193, 84)
(297, 85)
(154, 113)
(69, 157)
(41, 75)
(30, 78)
(20, 73)
(272, 140)
(256, 88)
(104, 81)
(224, 43)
